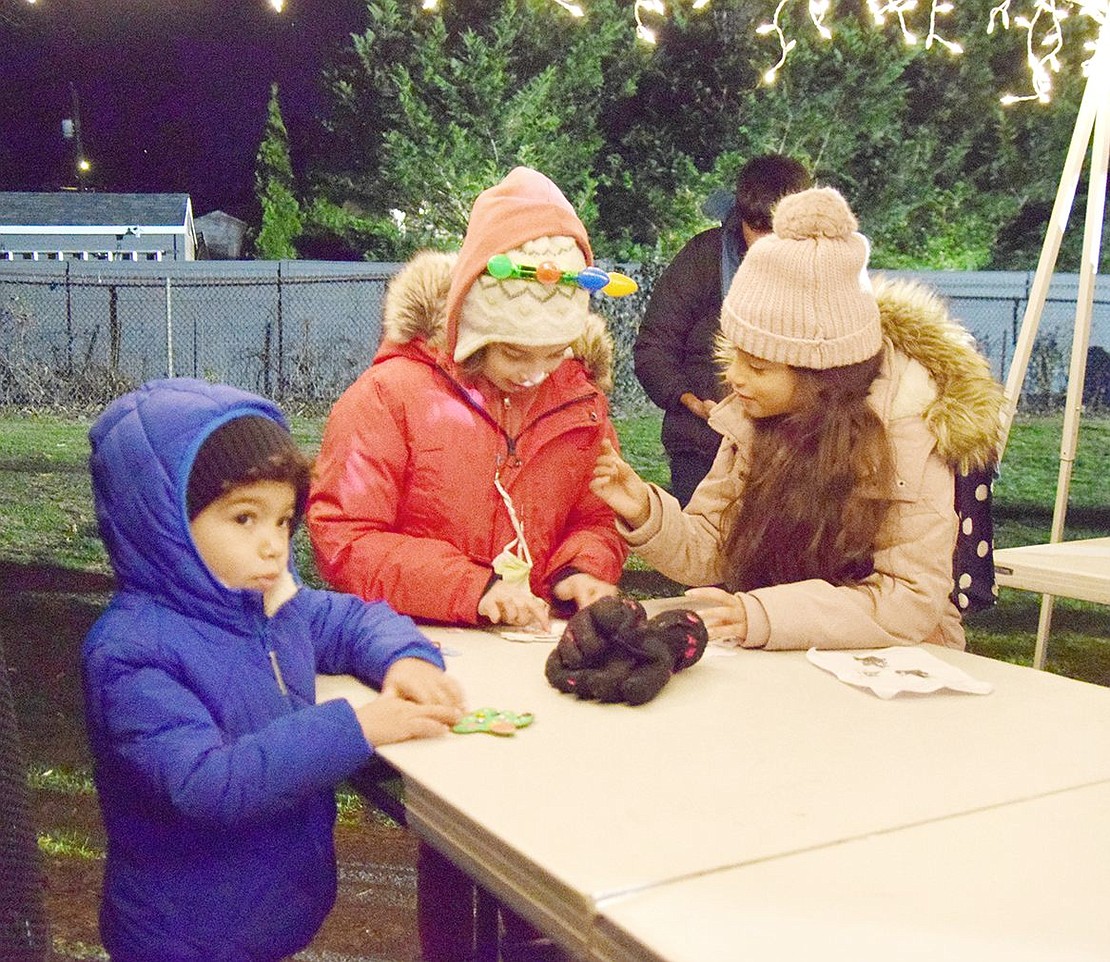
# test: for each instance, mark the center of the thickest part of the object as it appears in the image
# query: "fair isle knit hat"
(526, 217)
(801, 295)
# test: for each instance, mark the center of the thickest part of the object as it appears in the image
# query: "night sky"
(172, 96)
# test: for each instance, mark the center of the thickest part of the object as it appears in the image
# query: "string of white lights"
(1043, 28)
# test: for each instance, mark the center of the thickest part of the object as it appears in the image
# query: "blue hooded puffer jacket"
(215, 786)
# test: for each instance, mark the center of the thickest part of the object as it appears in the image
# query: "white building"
(88, 226)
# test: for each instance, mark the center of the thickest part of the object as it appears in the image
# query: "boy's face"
(515, 367)
(243, 536)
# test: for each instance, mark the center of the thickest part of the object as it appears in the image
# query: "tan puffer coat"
(941, 407)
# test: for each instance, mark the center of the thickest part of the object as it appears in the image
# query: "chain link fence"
(74, 335)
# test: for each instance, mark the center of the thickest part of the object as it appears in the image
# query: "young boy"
(214, 766)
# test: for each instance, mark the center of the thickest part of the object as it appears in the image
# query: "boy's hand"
(417, 680)
(388, 719)
(514, 604)
(278, 593)
(620, 487)
(583, 589)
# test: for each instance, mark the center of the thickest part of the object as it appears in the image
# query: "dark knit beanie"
(247, 449)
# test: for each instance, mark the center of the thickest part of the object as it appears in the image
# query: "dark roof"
(221, 217)
(66, 208)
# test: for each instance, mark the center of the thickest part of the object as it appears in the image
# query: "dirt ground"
(44, 614)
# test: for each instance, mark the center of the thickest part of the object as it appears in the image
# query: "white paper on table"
(888, 671)
(554, 633)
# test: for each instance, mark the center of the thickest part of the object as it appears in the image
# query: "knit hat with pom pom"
(802, 295)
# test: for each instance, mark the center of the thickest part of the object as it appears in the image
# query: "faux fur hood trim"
(416, 308)
(965, 417)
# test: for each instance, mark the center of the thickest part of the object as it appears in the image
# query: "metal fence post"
(114, 335)
(169, 329)
(280, 341)
(69, 325)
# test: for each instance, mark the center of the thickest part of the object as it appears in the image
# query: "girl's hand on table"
(620, 487)
(417, 680)
(388, 719)
(514, 604)
(727, 620)
(583, 589)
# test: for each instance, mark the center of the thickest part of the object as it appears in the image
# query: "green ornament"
(501, 266)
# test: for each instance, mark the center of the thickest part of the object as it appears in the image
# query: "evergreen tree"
(273, 178)
(436, 109)
(915, 138)
(430, 110)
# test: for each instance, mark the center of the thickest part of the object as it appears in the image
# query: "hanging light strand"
(643, 31)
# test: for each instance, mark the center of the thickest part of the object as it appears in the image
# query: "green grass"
(46, 517)
(69, 845)
(1030, 468)
(61, 781)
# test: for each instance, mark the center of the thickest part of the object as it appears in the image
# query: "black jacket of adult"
(674, 351)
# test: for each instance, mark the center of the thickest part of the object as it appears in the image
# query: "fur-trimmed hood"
(416, 309)
(965, 416)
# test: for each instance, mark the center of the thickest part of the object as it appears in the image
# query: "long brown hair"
(818, 486)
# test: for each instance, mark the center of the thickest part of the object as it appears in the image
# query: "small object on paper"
(892, 670)
(494, 721)
(554, 633)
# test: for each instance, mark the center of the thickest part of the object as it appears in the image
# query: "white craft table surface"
(1069, 569)
(1025, 882)
(743, 758)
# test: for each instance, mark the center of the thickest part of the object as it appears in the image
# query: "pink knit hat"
(527, 217)
(801, 295)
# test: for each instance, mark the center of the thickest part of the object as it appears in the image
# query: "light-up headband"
(591, 279)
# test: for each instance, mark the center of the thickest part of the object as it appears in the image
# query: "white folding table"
(1068, 569)
(1024, 882)
(745, 759)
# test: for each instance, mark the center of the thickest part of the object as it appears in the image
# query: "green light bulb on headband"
(501, 266)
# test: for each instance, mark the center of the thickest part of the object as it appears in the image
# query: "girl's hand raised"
(620, 487)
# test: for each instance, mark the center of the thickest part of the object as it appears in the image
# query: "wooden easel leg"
(1094, 116)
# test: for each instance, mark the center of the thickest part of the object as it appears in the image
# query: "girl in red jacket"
(453, 479)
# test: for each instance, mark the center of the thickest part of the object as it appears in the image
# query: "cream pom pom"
(820, 212)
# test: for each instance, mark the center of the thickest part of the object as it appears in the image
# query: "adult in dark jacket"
(674, 351)
(214, 766)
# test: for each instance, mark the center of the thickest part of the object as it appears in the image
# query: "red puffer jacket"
(403, 506)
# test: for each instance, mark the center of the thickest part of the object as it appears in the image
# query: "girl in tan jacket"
(827, 519)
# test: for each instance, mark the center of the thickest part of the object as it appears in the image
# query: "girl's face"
(512, 368)
(765, 388)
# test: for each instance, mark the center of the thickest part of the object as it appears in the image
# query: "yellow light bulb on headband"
(619, 285)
